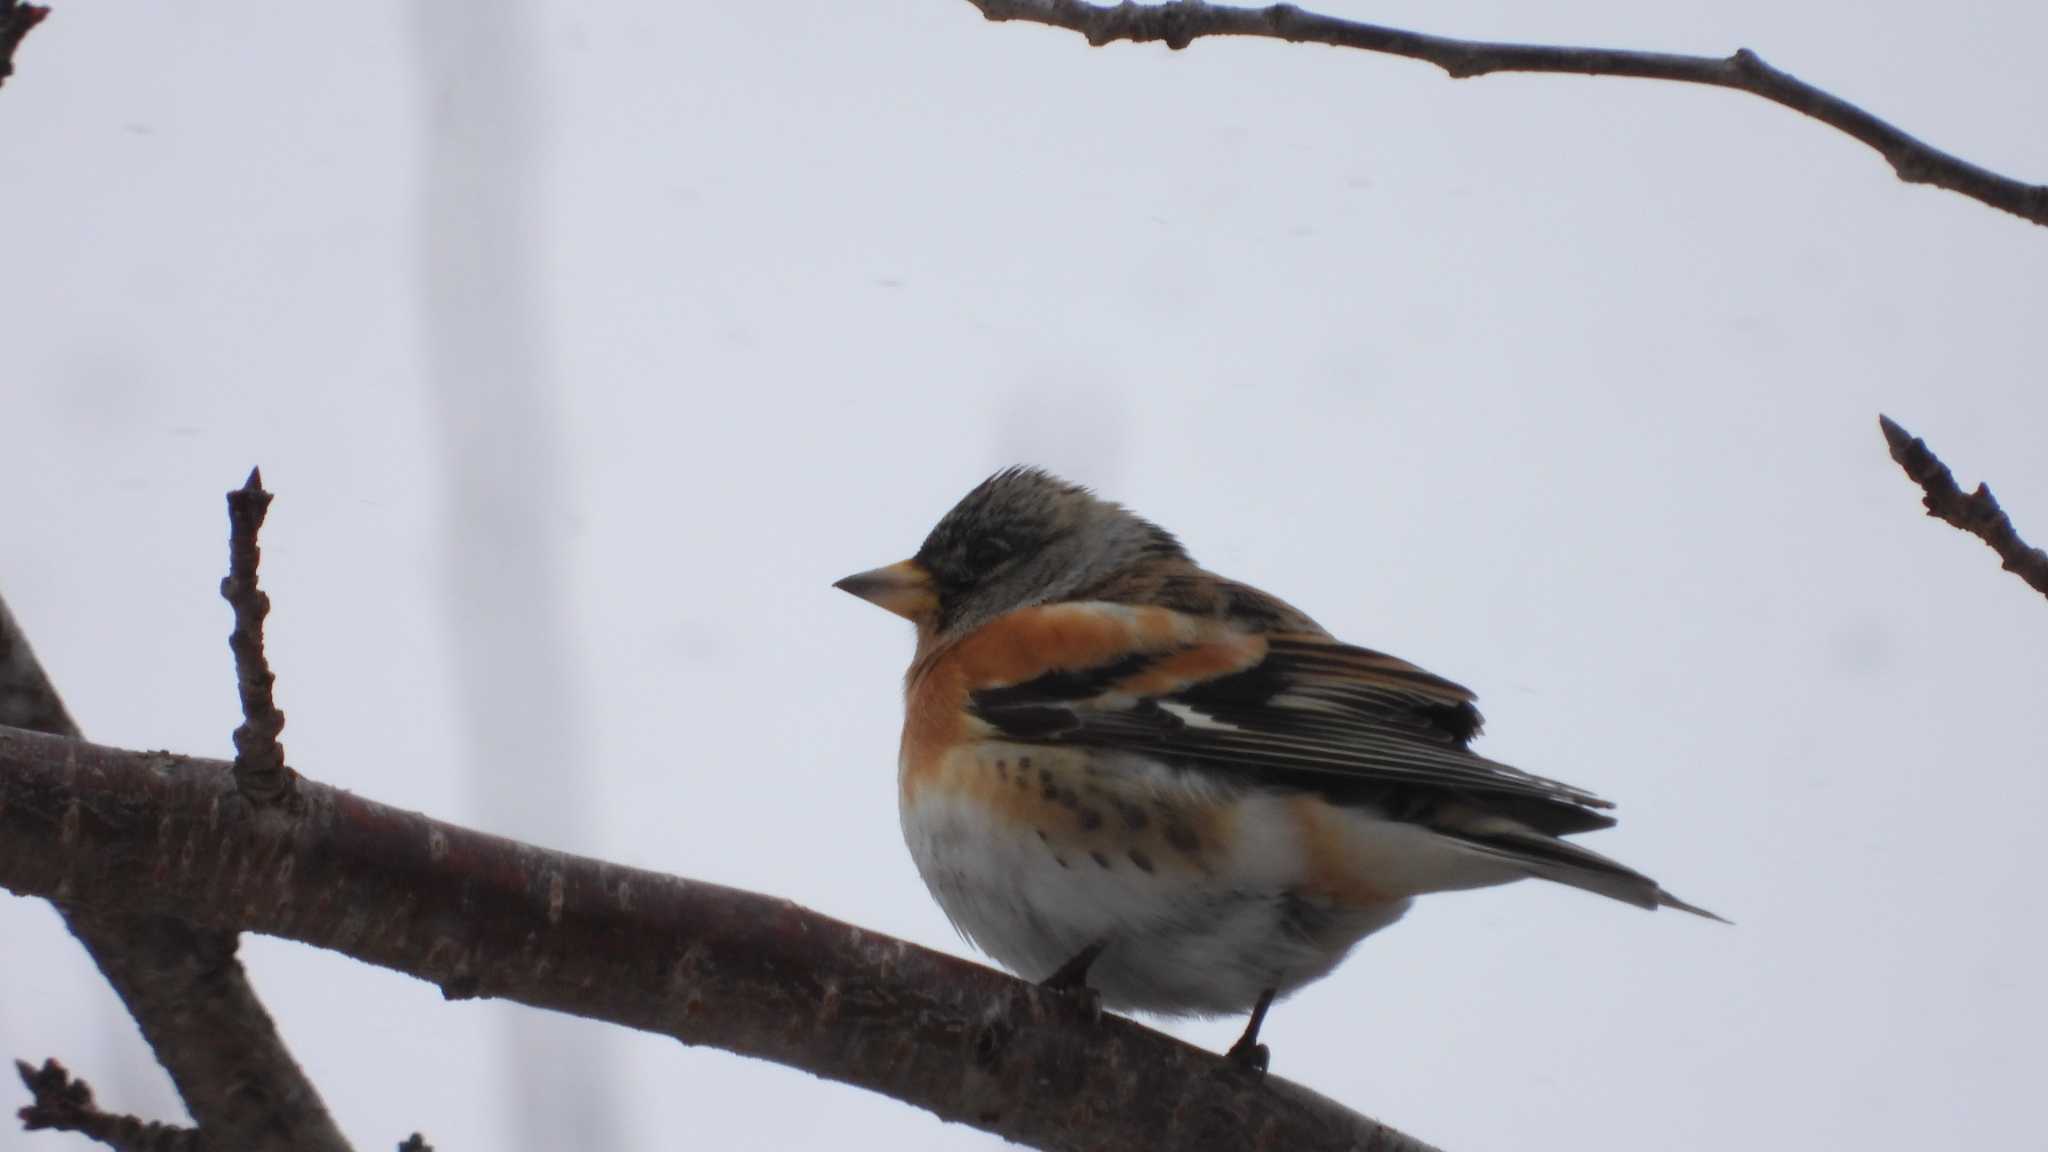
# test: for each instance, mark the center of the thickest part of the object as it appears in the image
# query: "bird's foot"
(1248, 1053)
(1252, 1057)
(1070, 983)
(1084, 1001)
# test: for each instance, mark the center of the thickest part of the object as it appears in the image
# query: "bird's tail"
(1550, 858)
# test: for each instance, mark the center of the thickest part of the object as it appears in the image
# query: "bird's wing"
(1288, 709)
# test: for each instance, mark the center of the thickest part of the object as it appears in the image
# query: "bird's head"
(1022, 537)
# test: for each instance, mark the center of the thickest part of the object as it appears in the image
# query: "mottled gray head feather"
(1023, 537)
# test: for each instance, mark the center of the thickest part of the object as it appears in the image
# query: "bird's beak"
(904, 588)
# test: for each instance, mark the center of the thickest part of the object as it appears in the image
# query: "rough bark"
(483, 916)
(184, 986)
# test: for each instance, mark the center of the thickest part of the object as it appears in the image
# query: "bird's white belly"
(1195, 890)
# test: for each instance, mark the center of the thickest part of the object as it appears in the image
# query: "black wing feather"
(1355, 725)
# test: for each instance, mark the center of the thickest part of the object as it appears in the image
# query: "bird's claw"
(1253, 1058)
(1085, 1001)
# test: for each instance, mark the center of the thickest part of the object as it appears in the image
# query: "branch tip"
(1976, 512)
(1894, 435)
(17, 20)
(60, 1103)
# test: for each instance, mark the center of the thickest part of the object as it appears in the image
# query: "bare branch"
(484, 916)
(17, 20)
(63, 1104)
(1178, 23)
(260, 773)
(184, 986)
(193, 1001)
(1977, 512)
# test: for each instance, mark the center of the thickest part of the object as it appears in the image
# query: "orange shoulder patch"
(1057, 637)
(1210, 659)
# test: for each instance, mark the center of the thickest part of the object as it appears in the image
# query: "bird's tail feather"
(1552, 859)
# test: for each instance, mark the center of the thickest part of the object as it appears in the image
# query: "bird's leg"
(1248, 1052)
(1074, 973)
(1071, 981)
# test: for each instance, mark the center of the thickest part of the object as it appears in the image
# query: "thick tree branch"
(184, 986)
(17, 20)
(1976, 512)
(1178, 23)
(484, 916)
(62, 1104)
(195, 1006)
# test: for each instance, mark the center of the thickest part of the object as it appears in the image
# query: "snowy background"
(585, 346)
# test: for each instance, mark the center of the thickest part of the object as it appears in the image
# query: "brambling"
(1124, 772)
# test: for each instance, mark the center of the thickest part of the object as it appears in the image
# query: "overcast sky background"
(1563, 388)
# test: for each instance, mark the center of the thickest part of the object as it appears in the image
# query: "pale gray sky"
(1564, 388)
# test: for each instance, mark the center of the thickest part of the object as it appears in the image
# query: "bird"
(1128, 778)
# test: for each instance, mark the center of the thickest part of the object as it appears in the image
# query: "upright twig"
(62, 1104)
(479, 915)
(17, 20)
(1179, 23)
(260, 773)
(1976, 512)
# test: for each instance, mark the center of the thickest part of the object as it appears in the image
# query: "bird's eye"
(986, 553)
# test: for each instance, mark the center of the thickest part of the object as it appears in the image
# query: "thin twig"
(63, 1104)
(188, 993)
(1178, 23)
(1976, 512)
(479, 915)
(17, 20)
(260, 774)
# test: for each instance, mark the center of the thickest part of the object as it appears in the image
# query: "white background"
(1564, 388)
